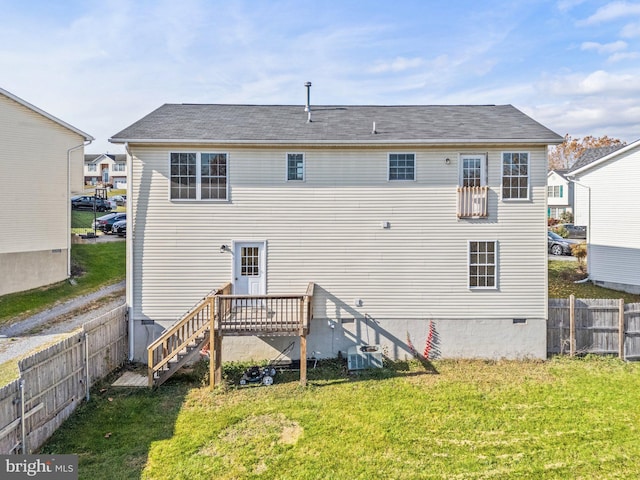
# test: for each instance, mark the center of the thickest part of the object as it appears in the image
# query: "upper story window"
(515, 175)
(402, 166)
(473, 169)
(554, 191)
(92, 167)
(198, 176)
(295, 166)
(483, 264)
(119, 167)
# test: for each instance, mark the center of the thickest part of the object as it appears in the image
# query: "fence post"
(572, 325)
(86, 367)
(23, 420)
(621, 329)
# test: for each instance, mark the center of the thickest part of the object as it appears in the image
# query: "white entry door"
(249, 276)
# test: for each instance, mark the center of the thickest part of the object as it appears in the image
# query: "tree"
(563, 156)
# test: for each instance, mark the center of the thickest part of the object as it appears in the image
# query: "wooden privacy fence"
(598, 326)
(54, 381)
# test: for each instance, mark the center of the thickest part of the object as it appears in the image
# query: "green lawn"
(562, 275)
(564, 418)
(93, 266)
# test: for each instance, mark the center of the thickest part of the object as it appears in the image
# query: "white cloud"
(630, 30)
(398, 64)
(565, 5)
(604, 47)
(612, 11)
(623, 56)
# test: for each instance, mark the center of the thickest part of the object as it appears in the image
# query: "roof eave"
(437, 141)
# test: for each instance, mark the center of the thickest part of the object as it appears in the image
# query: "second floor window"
(119, 167)
(402, 166)
(198, 176)
(92, 167)
(515, 176)
(554, 191)
(295, 166)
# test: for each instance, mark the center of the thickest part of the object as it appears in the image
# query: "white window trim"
(415, 166)
(496, 264)
(304, 167)
(198, 178)
(528, 198)
(483, 167)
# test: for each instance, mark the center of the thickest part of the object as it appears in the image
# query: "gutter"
(129, 254)
(84, 144)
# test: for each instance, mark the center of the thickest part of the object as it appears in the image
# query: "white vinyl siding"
(515, 175)
(614, 233)
(295, 167)
(328, 230)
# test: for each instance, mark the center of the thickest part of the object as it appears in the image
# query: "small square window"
(402, 166)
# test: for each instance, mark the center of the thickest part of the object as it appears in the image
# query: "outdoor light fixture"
(447, 161)
(223, 248)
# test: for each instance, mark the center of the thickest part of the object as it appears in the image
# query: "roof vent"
(373, 130)
(307, 108)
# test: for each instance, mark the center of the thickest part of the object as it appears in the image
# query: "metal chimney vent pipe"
(307, 108)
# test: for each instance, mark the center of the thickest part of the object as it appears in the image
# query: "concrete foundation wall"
(464, 338)
(26, 270)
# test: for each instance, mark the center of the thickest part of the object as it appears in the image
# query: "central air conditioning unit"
(360, 357)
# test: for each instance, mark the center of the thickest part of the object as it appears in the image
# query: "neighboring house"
(607, 201)
(106, 169)
(559, 194)
(417, 224)
(40, 167)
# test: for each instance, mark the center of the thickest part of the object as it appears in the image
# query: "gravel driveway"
(18, 339)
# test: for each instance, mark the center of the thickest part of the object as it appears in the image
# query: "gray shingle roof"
(590, 155)
(342, 124)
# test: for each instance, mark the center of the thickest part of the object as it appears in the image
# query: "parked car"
(558, 245)
(120, 228)
(86, 202)
(574, 231)
(120, 200)
(105, 223)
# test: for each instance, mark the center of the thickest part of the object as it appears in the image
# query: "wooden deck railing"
(274, 315)
(472, 202)
(264, 314)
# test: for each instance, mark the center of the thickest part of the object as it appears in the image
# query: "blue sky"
(573, 65)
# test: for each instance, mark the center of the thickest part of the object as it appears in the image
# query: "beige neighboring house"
(40, 167)
(105, 169)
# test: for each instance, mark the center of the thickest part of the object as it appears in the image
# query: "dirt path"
(18, 339)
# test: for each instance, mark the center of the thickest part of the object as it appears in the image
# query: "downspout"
(588, 223)
(85, 144)
(129, 253)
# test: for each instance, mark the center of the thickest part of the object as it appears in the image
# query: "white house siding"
(614, 235)
(328, 230)
(33, 168)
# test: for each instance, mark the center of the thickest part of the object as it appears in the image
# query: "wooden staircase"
(231, 315)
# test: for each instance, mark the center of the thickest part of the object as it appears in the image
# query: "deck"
(222, 314)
